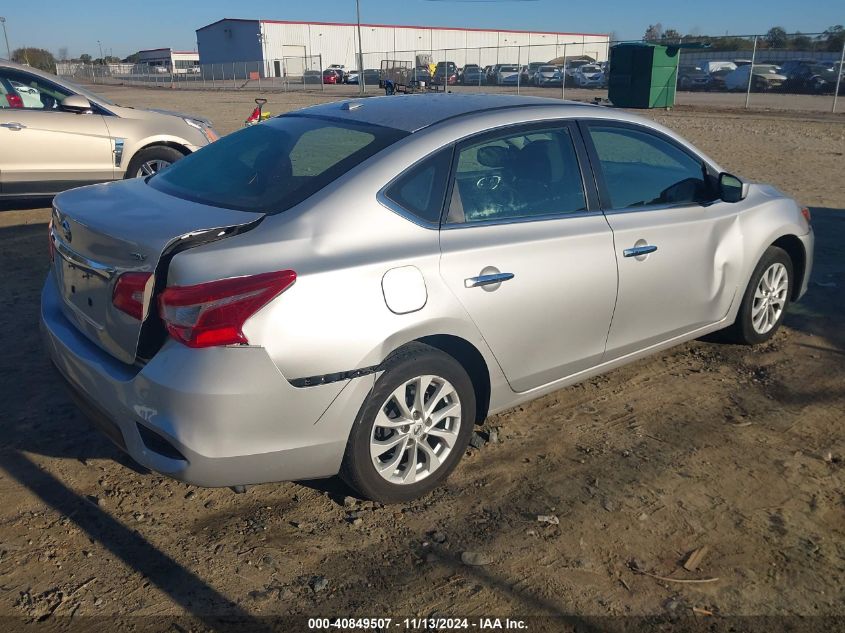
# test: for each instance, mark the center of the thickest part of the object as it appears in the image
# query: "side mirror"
(731, 188)
(76, 103)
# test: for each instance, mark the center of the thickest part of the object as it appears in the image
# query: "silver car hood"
(102, 231)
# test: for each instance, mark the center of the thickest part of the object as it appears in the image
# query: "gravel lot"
(740, 450)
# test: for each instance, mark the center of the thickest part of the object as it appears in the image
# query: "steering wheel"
(488, 183)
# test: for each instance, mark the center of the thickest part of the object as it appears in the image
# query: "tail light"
(131, 292)
(213, 313)
(14, 100)
(806, 213)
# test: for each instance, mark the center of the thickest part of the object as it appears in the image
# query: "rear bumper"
(219, 417)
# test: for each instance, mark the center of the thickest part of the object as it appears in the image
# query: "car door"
(678, 246)
(46, 149)
(527, 254)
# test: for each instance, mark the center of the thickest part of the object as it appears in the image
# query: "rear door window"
(517, 174)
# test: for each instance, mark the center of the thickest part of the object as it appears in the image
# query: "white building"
(278, 47)
(168, 60)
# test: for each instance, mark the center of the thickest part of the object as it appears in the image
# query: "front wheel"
(152, 160)
(413, 428)
(765, 300)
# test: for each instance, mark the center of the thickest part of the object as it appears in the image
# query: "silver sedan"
(350, 288)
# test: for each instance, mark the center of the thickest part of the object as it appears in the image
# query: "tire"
(403, 370)
(743, 330)
(157, 154)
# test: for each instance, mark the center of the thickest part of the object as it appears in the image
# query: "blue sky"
(124, 27)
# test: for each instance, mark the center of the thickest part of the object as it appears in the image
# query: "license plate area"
(86, 292)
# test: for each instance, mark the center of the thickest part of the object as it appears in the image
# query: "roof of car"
(415, 112)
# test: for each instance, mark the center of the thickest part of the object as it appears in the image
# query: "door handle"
(13, 126)
(636, 251)
(487, 280)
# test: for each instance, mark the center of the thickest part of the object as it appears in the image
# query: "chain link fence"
(787, 72)
(283, 74)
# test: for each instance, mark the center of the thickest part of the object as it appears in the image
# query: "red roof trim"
(404, 26)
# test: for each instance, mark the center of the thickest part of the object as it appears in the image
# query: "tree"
(111, 59)
(800, 42)
(35, 57)
(834, 37)
(777, 37)
(132, 59)
(85, 58)
(672, 35)
(653, 33)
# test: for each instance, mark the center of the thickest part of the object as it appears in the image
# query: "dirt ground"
(734, 448)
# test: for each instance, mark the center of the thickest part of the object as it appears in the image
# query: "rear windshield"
(271, 167)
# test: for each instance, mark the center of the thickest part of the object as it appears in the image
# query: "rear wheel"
(766, 299)
(152, 160)
(413, 428)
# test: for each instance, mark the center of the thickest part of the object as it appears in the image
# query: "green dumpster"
(643, 75)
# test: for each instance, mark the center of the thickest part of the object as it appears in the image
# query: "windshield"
(271, 167)
(507, 69)
(548, 69)
(590, 69)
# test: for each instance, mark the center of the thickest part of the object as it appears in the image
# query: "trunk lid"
(102, 231)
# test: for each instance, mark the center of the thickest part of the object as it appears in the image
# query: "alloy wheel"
(151, 167)
(415, 429)
(769, 298)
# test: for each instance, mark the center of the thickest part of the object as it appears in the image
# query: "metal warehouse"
(169, 60)
(277, 47)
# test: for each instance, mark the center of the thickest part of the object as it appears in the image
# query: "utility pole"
(360, 50)
(5, 35)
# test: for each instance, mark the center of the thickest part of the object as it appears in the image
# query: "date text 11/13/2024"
(418, 624)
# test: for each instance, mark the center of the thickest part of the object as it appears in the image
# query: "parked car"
(810, 77)
(716, 80)
(571, 66)
(332, 76)
(711, 66)
(473, 75)
(263, 324)
(764, 78)
(529, 70)
(84, 139)
(446, 73)
(547, 76)
(692, 78)
(507, 75)
(588, 76)
(372, 76)
(30, 97)
(340, 69)
(491, 72)
(312, 77)
(421, 73)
